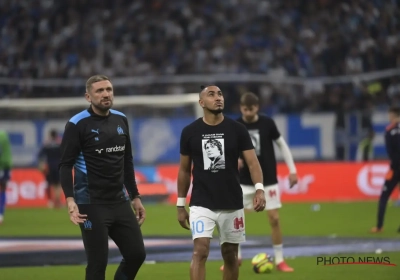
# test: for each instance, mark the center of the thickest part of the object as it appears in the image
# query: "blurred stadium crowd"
(123, 38)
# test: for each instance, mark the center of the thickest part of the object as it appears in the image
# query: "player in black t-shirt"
(264, 133)
(214, 143)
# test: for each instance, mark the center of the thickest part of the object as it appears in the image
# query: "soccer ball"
(260, 257)
(265, 266)
(262, 263)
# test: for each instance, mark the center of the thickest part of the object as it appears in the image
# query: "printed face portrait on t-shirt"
(213, 154)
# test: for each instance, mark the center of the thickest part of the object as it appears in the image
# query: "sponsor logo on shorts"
(238, 225)
(272, 193)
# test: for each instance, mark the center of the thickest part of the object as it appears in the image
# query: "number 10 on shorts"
(197, 227)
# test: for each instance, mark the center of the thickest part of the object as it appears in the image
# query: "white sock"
(239, 252)
(278, 250)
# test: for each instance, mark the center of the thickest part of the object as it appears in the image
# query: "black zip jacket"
(98, 148)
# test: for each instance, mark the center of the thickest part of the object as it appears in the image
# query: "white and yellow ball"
(265, 266)
(258, 258)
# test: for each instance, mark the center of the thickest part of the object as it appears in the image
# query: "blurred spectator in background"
(341, 138)
(279, 38)
(5, 169)
(365, 147)
(49, 158)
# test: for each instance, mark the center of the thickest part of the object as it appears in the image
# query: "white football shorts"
(272, 197)
(230, 224)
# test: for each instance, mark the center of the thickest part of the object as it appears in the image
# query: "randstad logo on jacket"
(115, 149)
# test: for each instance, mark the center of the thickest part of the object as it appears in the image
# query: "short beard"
(215, 112)
(102, 108)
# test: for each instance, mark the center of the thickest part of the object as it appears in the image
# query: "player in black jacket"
(49, 159)
(96, 145)
(392, 142)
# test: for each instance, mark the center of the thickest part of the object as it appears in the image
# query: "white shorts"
(272, 197)
(230, 224)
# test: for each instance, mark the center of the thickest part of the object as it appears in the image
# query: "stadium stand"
(70, 39)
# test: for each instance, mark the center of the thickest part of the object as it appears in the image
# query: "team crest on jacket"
(120, 130)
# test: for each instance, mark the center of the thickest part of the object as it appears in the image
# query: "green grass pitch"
(342, 219)
(305, 269)
(297, 219)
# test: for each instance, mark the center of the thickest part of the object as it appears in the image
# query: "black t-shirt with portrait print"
(262, 132)
(214, 151)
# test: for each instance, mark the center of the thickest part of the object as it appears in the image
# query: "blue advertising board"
(156, 140)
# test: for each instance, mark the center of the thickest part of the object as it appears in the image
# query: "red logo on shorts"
(272, 193)
(238, 223)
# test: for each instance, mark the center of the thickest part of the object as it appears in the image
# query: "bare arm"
(184, 175)
(254, 166)
(257, 177)
(183, 188)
